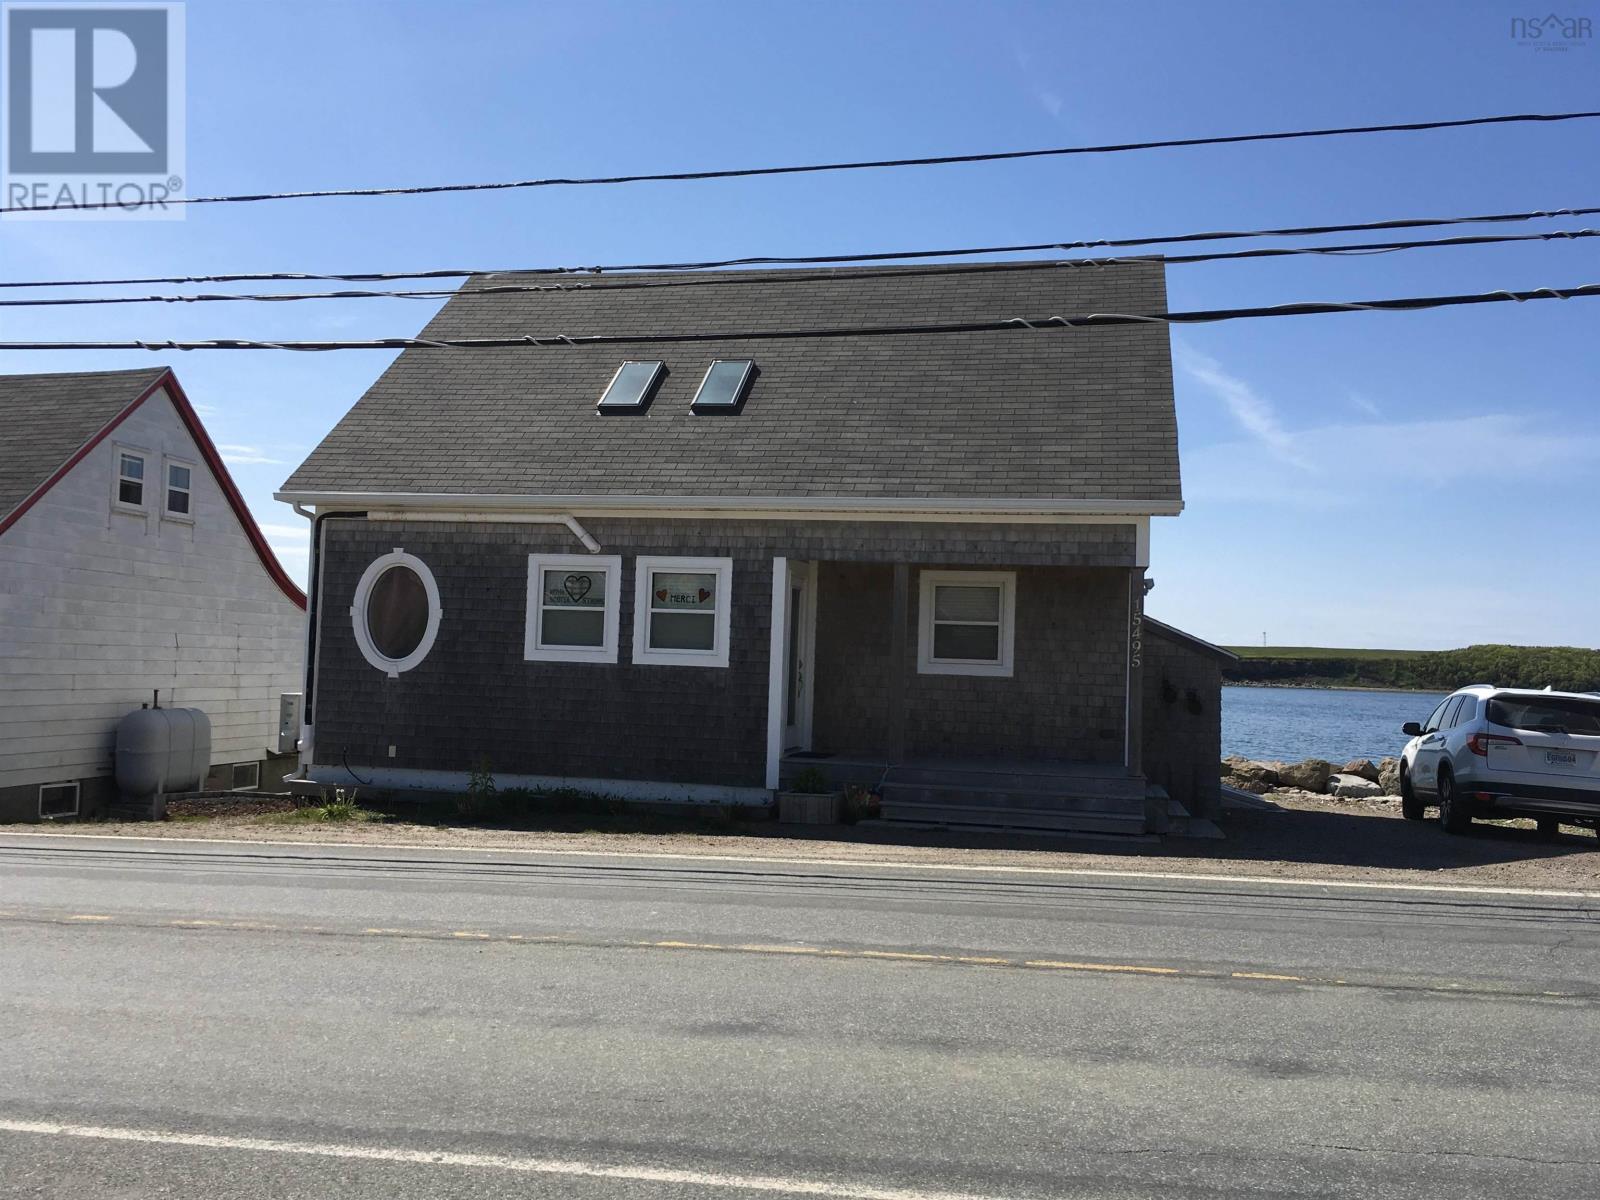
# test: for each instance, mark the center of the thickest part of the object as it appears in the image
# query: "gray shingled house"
(684, 570)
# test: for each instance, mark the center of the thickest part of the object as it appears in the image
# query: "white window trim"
(77, 800)
(167, 489)
(118, 449)
(392, 667)
(250, 787)
(717, 656)
(606, 652)
(1006, 581)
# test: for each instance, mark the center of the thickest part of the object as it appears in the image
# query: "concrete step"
(959, 816)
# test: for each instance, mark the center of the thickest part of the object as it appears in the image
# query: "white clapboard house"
(129, 564)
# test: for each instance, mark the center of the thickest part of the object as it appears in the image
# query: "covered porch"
(966, 695)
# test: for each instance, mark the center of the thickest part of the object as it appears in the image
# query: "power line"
(814, 168)
(1009, 324)
(738, 277)
(814, 259)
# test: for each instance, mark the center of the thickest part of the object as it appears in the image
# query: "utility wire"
(738, 277)
(1009, 324)
(814, 168)
(813, 259)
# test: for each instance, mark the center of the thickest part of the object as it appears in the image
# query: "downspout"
(504, 518)
(313, 614)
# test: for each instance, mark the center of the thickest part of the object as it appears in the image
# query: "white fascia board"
(810, 506)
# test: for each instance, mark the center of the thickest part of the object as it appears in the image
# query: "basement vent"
(58, 800)
(723, 388)
(631, 387)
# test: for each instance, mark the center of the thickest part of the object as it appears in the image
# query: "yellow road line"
(800, 950)
(1120, 968)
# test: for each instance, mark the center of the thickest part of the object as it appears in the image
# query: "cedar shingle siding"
(475, 696)
(1065, 701)
(1183, 717)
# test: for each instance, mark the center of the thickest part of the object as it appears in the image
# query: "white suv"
(1504, 752)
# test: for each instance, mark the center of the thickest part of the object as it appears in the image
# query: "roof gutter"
(481, 505)
(464, 515)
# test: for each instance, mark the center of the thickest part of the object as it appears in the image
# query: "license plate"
(1560, 758)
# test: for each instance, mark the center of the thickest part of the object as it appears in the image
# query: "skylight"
(723, 387)
(631, 386)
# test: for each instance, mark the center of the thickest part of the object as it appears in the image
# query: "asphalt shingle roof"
(46, 419)
(1066, 415)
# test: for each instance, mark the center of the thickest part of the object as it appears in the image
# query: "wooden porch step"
(1129, 824)
(1112, 781)
(1002, 798)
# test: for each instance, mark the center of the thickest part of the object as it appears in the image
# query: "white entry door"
(799, 648)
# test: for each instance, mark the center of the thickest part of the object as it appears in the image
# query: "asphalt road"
(217, 1020)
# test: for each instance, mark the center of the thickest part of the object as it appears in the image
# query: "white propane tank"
(162, 750)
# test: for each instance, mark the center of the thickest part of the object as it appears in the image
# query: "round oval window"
(397, 612)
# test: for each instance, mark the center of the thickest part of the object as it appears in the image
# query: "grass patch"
(569, 810)
(324, 813)
(341, 807)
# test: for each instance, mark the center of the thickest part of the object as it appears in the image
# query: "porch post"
(898, 662)
(777, 663)
(1134, 741)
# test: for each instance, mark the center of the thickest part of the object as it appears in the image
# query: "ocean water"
(1290, 724)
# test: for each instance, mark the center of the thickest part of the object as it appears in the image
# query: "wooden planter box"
(809, 808)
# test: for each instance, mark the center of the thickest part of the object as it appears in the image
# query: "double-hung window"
(179, 503)
(966, 623)
(682, 611)
(130, 479)
(573, 601)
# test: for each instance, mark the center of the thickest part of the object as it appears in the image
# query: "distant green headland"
(1565, 668)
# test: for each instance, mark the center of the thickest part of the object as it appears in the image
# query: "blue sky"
(1419, 480)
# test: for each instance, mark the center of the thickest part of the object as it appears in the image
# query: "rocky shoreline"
(1358, 779)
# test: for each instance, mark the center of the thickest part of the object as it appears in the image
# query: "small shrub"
(811, 781)
(479, 798)
(860, 804)
(342, 806)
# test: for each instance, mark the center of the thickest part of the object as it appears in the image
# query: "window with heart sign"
(573, 609)
(566, 590)
(684, 591)
(683, 610)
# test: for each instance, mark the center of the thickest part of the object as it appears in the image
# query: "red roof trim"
(208, 451)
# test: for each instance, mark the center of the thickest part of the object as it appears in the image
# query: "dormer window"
(723, 388)
(631, 387)
(130, 479)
